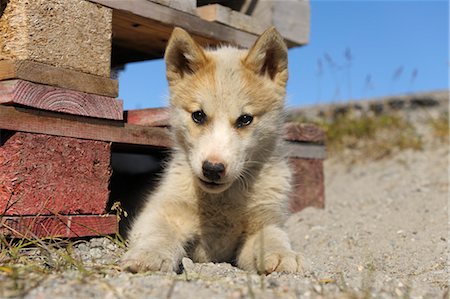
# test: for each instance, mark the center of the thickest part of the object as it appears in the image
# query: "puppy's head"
(226, 105)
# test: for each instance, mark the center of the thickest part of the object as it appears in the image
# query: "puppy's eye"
(244, 120)
(199, 117)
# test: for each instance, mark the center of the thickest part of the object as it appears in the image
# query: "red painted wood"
(58, 226)
(308, 184)
(45, 175)
(52, 123)
(52, 98)
(305, 132)
(155, 117)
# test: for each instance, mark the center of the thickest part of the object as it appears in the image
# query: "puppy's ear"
(268, 56)
(183, 55)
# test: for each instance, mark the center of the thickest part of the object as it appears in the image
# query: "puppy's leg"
(269, 250)
(156, 243)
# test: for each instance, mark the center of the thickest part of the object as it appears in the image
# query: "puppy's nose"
(213, 171)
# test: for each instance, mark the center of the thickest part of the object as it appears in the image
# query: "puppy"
(224, 194)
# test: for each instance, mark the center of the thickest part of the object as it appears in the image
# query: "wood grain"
(50, 75)
(305, 150)
(146, 26)
(169, 18)
(305, 132)
(141, 29)
(45, 175)
(66, 226)
(20, 92)
(291, 18)
(57, 124)
(183, 5)
(155, 117)
(227, 16)
(67, 34)
(308, 184)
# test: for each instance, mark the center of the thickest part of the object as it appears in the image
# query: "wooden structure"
(60, 119)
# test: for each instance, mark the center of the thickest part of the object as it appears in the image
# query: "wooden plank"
(305, 150)
(66, 226)
(57, 124)
(183, 5)
(291, 18)
(148, 35)
(155, 117)
(20, 92)
(227, 16)
(138, 38)
(45, 175)
(304, 132)
(308, 184)
(50, 75)
(170, 18)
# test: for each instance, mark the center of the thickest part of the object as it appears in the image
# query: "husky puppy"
(224, 194)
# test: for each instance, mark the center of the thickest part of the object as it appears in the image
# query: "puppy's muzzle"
(213, 171)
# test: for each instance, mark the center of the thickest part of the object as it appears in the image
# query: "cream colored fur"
(239, 218)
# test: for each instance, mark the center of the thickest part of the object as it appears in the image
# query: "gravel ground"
(383, 234)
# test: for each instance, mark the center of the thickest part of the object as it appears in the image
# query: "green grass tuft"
(369, 136)
(374, 136)
(440, 127)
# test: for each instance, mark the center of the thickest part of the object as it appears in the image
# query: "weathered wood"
(68, 34)
(305, 132)
(227, 16)
(308, 184)
(188, 6)
(155, 117)
(291, 18)
(169, 18)
(45, 175)
(20, 92)
(305, 150)
(60, 77)
(57, 124)
(143, 27)
(65, 226)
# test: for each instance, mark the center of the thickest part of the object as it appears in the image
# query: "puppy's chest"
(221, 233)
(222, 220)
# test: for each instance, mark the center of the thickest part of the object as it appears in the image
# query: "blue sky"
(357, 49)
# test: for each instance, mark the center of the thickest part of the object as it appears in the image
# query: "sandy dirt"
(385, 226)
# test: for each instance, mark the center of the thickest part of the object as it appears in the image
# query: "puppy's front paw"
(146, 260)
(287, 261)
